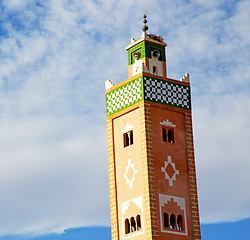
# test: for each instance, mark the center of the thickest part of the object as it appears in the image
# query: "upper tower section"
(147, 54)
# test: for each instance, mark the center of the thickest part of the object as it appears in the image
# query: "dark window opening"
(128, 138)
(166, 223)
(164, 134)
(168, 135)
(131, 138)
(138, 221)
(127, 226)
(133, 224)
(172, 221)
(154, 70)
(179, 222)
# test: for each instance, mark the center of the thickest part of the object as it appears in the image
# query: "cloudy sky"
(55, 56)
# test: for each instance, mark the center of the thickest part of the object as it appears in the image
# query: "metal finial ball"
(145, 21)
(145, 28)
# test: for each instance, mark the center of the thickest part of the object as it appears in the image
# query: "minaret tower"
(153, 192)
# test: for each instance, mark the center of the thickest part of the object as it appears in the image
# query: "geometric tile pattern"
(124, 96)
(148, 88)
(169, 93)
(170, 171)
(129, 174)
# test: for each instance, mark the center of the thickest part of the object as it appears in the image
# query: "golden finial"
(145, 27)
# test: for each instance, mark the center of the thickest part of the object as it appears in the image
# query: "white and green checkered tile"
(150, 89)
(165, 92)
(124, 96)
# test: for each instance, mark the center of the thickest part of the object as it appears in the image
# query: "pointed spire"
(145, 27)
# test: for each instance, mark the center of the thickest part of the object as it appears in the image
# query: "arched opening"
(164, 134)
(170, 136)
(128, 138)
(179, 222)
(166, 222)
(172, 221)
(138, 222)
(131, 138)
(133, 224)
(154, 70)
(127, 226)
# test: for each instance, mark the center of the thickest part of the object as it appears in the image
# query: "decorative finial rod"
(145, 27)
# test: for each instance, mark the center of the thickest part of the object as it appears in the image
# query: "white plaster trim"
(155, 62)
(167, 123)
(108, 84)
(137, 67)
(135, 171)
(164, 199)
(145, 38)
(138, 201)
(127, 128)
(185, 78)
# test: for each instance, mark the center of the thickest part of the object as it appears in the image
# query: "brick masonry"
(112, 182)
(148, 171)
(192, 176)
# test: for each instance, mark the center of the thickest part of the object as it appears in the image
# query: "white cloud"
(50, 176)
(15, 4)
(52, 119)
(222, 133)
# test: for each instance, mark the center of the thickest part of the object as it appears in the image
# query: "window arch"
(128, 138)
(172, 221)
(133, 224)
(179, 222)
(127, 226)
(170, 135)
(166, 222)
(164, 134)
(138, 222)
(154, 70)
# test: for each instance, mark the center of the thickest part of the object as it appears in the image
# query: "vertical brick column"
(192, 176)
(148, 172)
(112, 182)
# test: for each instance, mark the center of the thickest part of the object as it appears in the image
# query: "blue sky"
(55, 58)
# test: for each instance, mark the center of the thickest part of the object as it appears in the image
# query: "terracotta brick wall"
(112, 182)
(192, 176)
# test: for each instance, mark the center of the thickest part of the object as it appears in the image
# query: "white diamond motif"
(164, 170)
(135, 171)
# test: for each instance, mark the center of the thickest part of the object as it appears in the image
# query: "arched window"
(128, 138)
(179, 222)
(127, 226)
(133, 224)
(164, 134)
(154, 70)
(170, 136)
(166, 222)
(138, 222)
(131, 138)
(172, 221)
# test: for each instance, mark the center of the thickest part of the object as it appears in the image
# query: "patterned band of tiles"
(148, 88)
